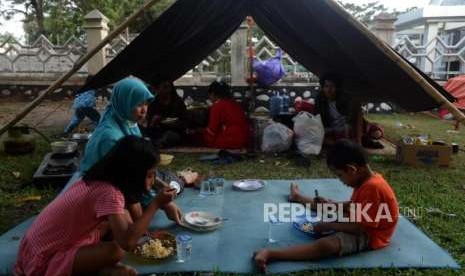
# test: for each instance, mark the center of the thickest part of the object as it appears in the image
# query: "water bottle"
(286, 101)
(275, 105)
(281, 102)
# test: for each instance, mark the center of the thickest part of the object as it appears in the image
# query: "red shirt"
(377, 192)
(228, 127)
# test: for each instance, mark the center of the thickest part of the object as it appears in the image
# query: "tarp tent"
(456, 87)
(317, 33)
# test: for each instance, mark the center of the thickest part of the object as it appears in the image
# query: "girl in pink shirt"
(65, 238)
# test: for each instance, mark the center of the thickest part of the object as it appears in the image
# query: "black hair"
(220, 89)
(346, 152)
(156, 82)
(332, 77)
(126, 166)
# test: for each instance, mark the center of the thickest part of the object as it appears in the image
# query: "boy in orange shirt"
(372, 208)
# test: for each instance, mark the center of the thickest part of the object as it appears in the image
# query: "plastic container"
(183, 247)
(218, 183)
(275, 105)
(207, 188)
(286, 102)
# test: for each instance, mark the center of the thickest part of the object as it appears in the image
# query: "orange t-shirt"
(381, 217)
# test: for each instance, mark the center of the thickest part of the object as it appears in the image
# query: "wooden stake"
(389, 52)
(79, 63)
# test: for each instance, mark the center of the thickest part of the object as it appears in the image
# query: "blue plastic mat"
(229, 249)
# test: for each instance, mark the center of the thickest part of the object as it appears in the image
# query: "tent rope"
(251, 53)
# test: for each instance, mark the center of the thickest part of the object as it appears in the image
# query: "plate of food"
(156, 246)
(305, 224)
(202, 221)
(249, 184)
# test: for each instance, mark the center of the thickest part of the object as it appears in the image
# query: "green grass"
(13, 189)
(441, 188)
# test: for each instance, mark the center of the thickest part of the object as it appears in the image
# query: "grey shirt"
(338, 121)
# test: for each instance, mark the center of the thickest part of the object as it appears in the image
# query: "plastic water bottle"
(285, 104)
(281, 102)
(275, 105)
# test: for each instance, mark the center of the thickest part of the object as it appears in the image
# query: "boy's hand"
(322, 227)
(319, 200)
(261, 259)
(165, 196)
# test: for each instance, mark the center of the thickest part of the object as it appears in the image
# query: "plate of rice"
(157, 246)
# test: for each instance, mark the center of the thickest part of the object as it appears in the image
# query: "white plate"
(249, 184)
(200, 229)
(202, 219)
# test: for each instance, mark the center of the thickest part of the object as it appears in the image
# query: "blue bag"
(269, 71)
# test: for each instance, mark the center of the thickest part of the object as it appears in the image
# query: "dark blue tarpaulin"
(313, 32)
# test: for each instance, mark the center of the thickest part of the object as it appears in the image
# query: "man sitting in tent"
(342, 118)
(166, 116)
(228, 126)
(334, 106)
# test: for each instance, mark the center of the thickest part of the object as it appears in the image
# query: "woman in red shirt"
(228, 126)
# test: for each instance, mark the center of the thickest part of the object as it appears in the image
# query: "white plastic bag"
(309, 133)
(276, 138)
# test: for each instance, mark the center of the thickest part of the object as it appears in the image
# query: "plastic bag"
(269, 71)
(277, 138)
(304, 105)
(309, 133)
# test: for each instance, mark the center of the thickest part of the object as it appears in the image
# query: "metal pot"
(81, 136)
(63, 147)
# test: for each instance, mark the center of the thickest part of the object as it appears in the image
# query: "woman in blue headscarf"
(129, 101)
(128, 105)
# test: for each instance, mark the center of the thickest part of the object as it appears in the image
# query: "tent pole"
(79, 63)
(388, 51)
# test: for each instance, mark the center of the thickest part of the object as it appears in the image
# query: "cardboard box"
(424, 155)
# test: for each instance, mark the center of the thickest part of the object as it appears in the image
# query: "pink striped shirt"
(69, 221)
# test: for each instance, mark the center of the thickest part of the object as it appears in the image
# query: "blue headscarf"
(117, 120)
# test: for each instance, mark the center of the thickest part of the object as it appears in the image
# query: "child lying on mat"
(65, 238)
(368, 231)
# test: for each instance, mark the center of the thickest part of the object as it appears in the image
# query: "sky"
(14, 25)
(393, 4)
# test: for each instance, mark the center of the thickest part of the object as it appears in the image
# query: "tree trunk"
(38, 6)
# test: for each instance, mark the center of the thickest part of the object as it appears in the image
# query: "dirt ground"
(48, 116)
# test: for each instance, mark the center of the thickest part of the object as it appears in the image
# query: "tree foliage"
(366, 12)
(61, 19)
